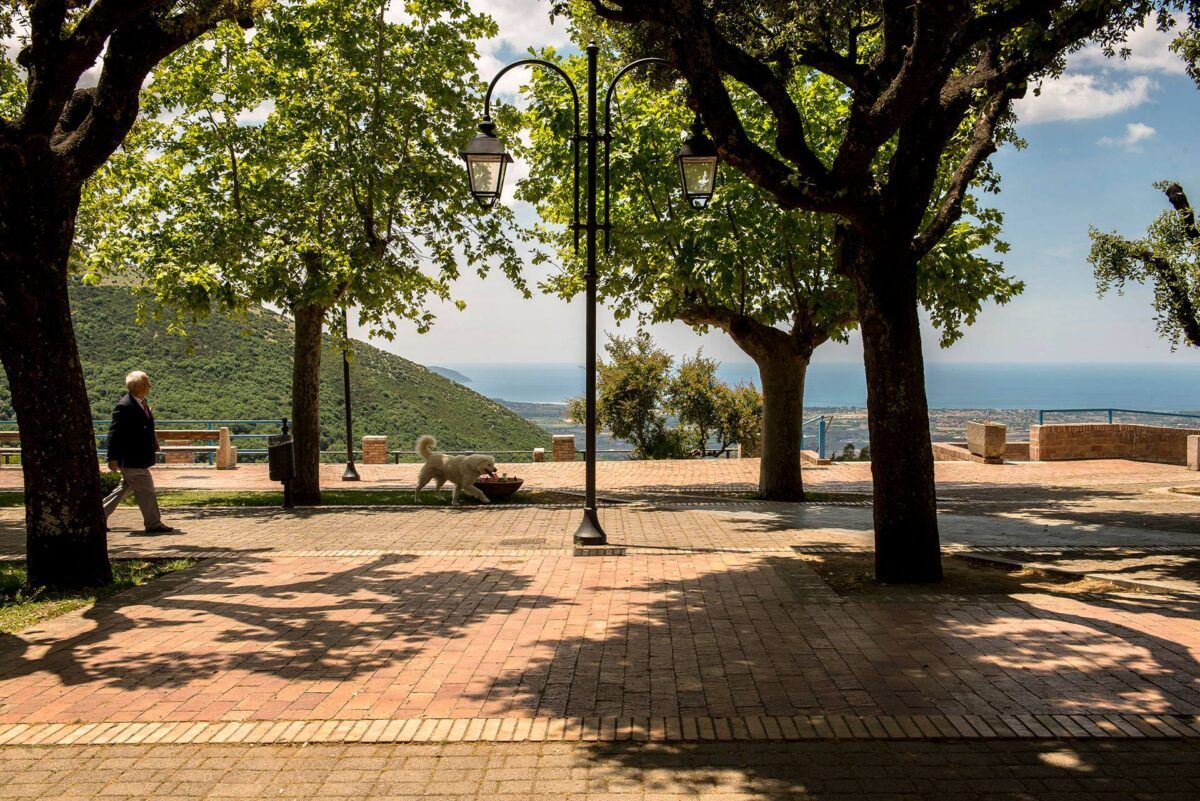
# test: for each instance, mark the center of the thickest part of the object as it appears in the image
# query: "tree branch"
(981, 147)
(85, 141)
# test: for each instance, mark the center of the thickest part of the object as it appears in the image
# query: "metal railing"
(822, 427)
(1111, 413)
(100, 430)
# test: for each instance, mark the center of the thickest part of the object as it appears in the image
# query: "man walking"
(133, 449)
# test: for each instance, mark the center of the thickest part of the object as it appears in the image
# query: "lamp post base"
(351, 474)
(590, 531)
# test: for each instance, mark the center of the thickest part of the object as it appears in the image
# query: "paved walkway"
(1075, 771)
(482, 657)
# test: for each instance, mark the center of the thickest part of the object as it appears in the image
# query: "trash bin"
(281, 464)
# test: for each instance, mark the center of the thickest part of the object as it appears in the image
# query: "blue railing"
(822, 426)
(1111, 413)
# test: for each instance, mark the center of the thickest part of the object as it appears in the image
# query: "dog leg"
(440, 482)
(422, 480)
(475, 492)
(454, 496)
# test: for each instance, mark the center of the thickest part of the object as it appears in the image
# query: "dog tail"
(425, 445)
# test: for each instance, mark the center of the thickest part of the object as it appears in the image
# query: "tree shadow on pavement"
(840, 769)
(304, 619)
(740, 635)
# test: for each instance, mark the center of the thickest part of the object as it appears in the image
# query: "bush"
(108, 481)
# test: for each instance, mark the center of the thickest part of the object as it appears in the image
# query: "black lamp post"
(351, 473)
(486, 162)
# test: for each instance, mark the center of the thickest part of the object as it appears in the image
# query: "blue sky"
(1097, 139)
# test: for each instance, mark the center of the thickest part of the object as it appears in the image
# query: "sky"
(1098, 138)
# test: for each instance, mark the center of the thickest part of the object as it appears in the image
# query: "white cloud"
(1078, 96)
(257, 115)
(523, 24)
(1135, 134)
(1149, 52)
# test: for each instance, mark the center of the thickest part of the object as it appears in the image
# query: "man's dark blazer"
(131, 440)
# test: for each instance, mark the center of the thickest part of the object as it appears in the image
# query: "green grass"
(22, 607)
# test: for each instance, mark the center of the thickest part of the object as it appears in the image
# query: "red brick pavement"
(275, 637)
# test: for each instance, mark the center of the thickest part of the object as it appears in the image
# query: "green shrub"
(108, 481)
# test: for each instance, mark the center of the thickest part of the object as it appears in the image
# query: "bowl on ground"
(497, 489)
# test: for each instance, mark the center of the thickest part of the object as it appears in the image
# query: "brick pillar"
(539, 454)
(226, 453)
(1035, 443)
(563, 449)
(178, 457)
(374, 450)
(1193, 452)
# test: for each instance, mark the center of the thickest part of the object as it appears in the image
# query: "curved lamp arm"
(608, 101)
(575, 138)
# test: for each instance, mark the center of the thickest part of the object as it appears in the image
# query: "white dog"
(461, 471)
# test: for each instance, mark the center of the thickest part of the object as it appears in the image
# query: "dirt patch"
(853, 575)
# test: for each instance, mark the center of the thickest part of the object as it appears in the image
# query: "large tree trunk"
(905, 508)
(782, 373)
(66, 545)
(782, 360)
(306, 404)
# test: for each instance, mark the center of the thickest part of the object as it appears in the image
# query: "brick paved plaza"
(471, 652)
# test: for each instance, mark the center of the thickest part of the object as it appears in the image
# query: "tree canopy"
(743, 256)
(311, 163)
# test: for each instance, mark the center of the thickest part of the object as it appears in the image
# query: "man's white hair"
(136, 379)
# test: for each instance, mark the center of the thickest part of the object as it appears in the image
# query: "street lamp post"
(486, 163)
(351, 473)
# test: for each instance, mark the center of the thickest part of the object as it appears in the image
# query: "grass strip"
(22, 606)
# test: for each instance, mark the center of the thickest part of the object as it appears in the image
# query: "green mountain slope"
(241, 369)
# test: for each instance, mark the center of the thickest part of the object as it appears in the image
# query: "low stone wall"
(1066, 441)
(1016, 451)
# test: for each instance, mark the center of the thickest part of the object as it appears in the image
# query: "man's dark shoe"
(160, 528)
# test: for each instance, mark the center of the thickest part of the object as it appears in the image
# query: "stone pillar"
(226, 453)
(1193, 452)
(374, 450)
(539, 454)
(178, 457)
(986, 439)
(563, 449)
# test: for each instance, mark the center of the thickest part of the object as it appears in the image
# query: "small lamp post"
(486, 161)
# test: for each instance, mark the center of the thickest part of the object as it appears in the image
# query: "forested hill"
(241, 369)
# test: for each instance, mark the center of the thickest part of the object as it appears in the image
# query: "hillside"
(241, 369)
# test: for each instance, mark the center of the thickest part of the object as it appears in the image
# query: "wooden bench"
(180, 445)
(9, 436)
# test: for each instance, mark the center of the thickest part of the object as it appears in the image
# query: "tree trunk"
(306, 404)
(66, 545)
(782, 375)
(905, 508)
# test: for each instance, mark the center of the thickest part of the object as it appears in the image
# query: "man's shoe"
(161, 528)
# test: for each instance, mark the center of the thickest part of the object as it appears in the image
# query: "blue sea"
(1162, 386)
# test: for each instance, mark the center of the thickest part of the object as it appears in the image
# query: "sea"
(1158, 386)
